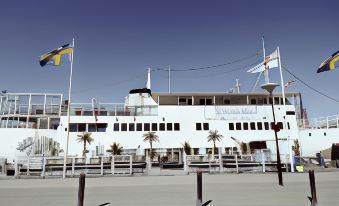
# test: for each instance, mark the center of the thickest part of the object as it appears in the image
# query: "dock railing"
(100, 165)
(231, 163)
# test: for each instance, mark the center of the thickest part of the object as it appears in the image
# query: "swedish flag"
(54, 57)
(329, 64)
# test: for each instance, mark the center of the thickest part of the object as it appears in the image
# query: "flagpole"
(284, 103)
(68, 112)
(264, 53)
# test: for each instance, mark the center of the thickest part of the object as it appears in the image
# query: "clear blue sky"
(115, 41)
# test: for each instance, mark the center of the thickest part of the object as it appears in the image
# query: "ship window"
(103, 113)
(124, 127)
(259, 125)
(290, 113)
(169, 127)
(81, 127)
(238, 126)
(324, 133)
(131, 126)
(280, 124)
(253, 101)
(276, 100)
(208, 101)
(272, 125)
(245, 125)
(185, 101)
(231, 126)
(288, 125)
(266, 125)
(265, 100)
(252, 125)
(198, 126)
(309, 134)
(139, 126)
(162, 126)
(206, 126)
(182, 100)
(73, 127)
(87, 113)
(189, 102)
(91, 128)
(116, 127)
(176, 126)
(227, 101)
(154, 127)
(202, 102)
(102, 127)
(146, 127)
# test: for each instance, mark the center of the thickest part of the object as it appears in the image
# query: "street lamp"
(269, 87)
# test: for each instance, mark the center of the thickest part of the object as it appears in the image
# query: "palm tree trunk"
(213, 151)
(151, 150)
(84, 151)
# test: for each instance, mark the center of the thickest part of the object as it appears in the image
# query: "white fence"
(231, 163)
(103, 165)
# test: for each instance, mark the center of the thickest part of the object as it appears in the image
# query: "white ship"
(175, 117)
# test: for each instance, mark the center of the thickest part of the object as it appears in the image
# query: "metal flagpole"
(267, 80)
(281, 78)
(284, 103)
(68, 112)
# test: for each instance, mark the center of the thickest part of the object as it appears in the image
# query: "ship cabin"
(43, 110)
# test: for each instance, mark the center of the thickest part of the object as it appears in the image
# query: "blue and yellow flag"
(54, 57)
(329, 64)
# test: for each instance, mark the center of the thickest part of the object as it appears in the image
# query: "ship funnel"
(148, 85)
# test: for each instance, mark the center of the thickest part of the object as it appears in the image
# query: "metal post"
(199, 188)
(180, 156)
(327, 123)
(277, 147)
(313, 199)
(73, 165)
(185, 162)
(221, 166)
(68, 112)
(102, 165)
(43, 167)
(130, 164)
(236, 163)
(112, 165)
(16, 172)
(81, 191)
(263, 161)
(28, 166)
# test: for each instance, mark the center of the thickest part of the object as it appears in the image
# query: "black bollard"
(81, 191)
(313, 197)
(199, 188)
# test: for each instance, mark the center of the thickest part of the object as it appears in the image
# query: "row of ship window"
(101, 127)
(255, 125)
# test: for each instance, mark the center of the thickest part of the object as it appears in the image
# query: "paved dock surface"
(223, 189)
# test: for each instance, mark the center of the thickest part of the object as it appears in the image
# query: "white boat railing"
(327, 122)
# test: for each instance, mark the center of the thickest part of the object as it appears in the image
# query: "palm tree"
(116, 148)
(85, 138)
(187, 147)
(151, 137)
(214, 136)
